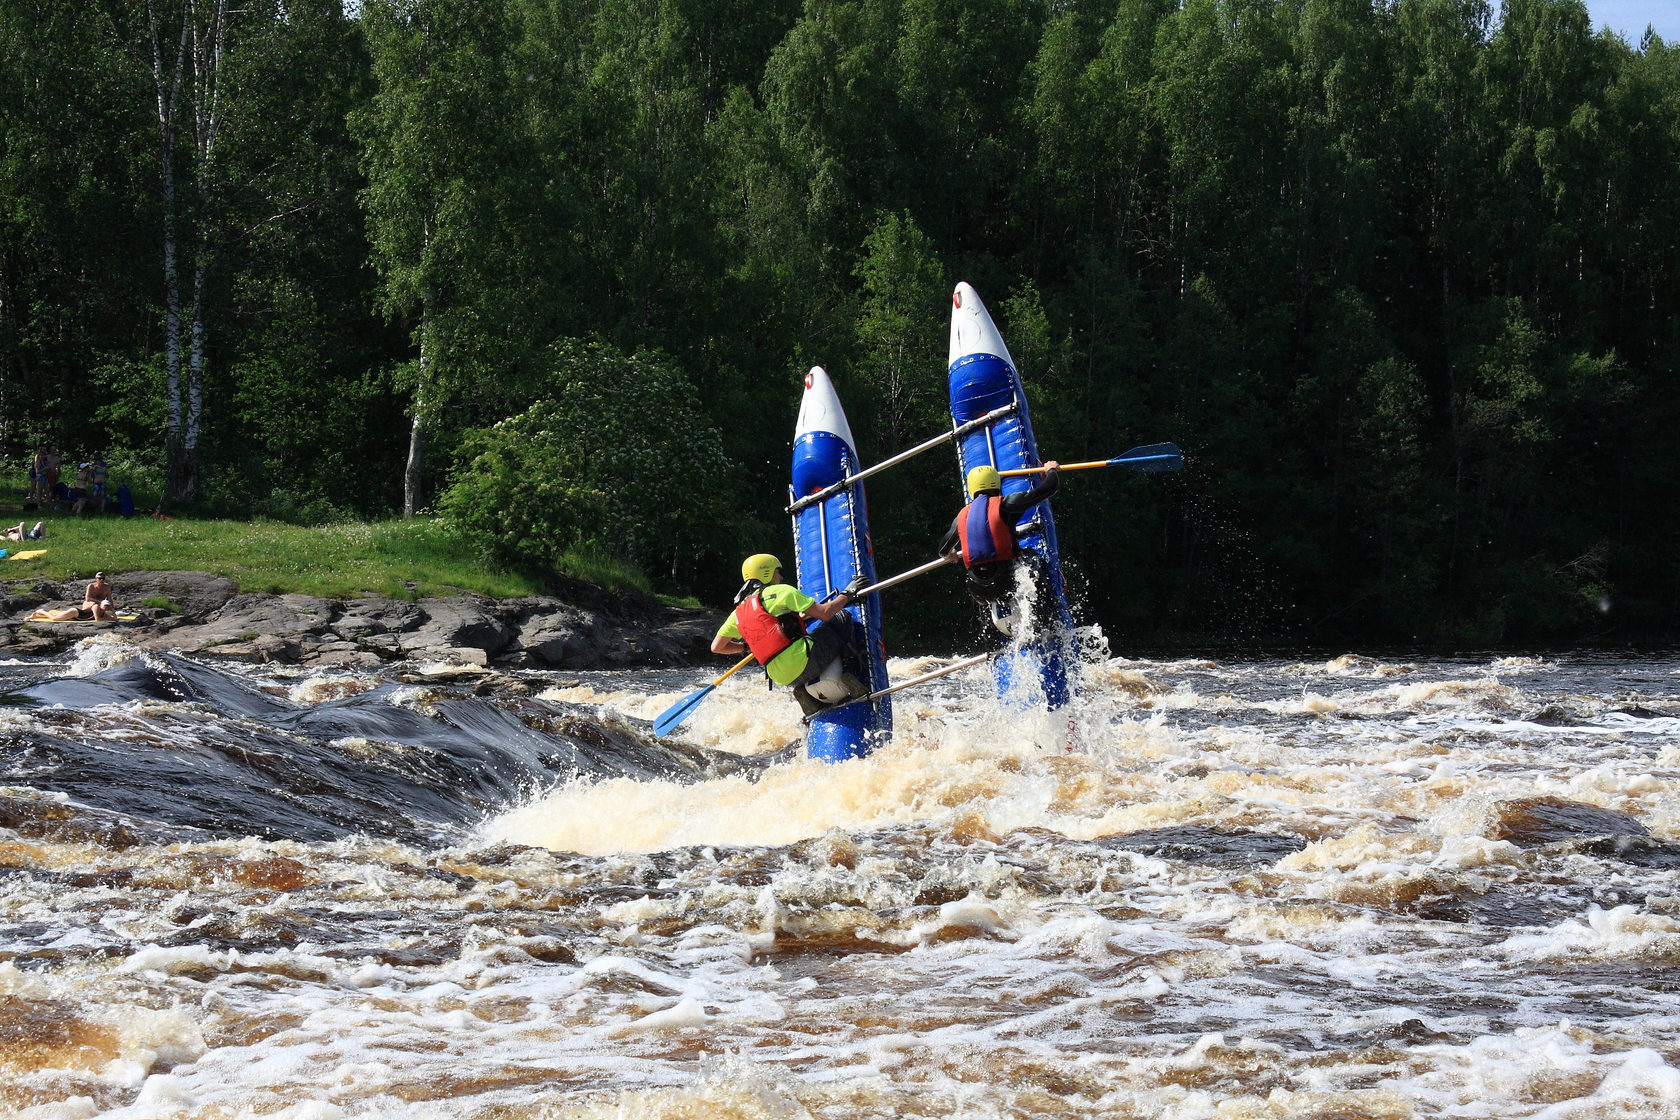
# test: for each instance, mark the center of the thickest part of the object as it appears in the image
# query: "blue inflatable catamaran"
(984, 383)
(831, 548)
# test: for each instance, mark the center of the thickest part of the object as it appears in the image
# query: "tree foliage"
(614, 457)
(1401, 276)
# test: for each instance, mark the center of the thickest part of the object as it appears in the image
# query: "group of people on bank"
(48, 490)
(770, 616)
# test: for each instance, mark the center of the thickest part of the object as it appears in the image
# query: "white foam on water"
(319, 688)
(1623, 932)
(950, 927)
(1523, 664)
(96, 653)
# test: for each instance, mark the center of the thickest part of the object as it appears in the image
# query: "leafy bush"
(615, 458)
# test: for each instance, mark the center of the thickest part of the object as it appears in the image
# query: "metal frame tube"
(954, 433)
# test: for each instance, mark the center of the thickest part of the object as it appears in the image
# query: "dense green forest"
(1400, 276)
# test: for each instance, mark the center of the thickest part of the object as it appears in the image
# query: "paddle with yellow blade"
(1149, 459)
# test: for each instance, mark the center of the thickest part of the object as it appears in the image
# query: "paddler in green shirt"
(769, 621)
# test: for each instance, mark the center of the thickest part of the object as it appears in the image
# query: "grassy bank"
(394, 559)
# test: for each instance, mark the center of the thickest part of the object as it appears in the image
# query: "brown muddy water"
(1349, 888)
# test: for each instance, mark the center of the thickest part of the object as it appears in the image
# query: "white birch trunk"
(416, 430)
(428, 355)
(206, 90)
(166, 99)
(188, 474)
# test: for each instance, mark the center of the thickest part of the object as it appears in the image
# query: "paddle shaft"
(956, 433)
(894, 581)
(1065, 467)
(1129, 459)
(955, 667)
(733, 669)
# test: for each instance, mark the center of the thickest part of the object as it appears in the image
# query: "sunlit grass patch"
(395, 559)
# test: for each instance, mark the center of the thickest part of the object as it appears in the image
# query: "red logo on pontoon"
(807, 381)
(956, 298)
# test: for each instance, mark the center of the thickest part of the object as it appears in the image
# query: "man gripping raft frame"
(672, 718)
(769, 621)
(983, 382)
(985, 535)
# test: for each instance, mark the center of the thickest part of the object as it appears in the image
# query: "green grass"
(394, 559)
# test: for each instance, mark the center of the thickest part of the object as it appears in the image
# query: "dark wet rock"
(1532, 822)
(1518, 905)
(202, 614)
(37, 817)
(1553, 715)
(1641, 851)
(1234, 848)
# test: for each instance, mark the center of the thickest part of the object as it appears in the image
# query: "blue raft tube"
(831, 548)
(983, 379)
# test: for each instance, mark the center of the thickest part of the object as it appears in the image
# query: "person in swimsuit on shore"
(101, 478)
(98, 601)
(38, 490)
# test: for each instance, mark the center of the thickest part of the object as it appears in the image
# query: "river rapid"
(1328, 889)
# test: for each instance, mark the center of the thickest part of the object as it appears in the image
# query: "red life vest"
(766, 634)
(985, 536)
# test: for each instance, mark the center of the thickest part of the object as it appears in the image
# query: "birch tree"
(186, 70)
(445, 191)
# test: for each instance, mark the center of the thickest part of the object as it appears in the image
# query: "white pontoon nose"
(820, 411)
(972, 329)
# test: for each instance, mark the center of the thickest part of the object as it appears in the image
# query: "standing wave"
(169, 742)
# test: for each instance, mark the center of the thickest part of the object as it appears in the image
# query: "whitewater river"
(1325, 889)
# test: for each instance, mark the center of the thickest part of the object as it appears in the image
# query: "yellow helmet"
(761, 567)
(982, 480)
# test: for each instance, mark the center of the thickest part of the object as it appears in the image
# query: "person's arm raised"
(828, 608)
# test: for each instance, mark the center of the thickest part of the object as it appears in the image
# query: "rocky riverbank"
(203, 614)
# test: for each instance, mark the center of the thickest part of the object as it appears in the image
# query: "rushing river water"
(1345, 888)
